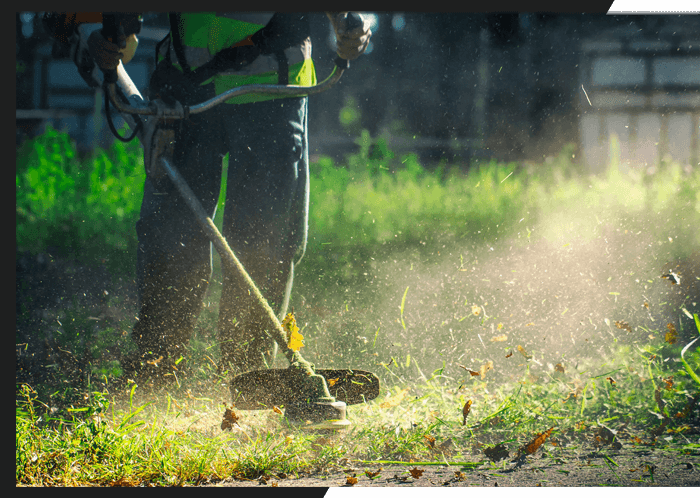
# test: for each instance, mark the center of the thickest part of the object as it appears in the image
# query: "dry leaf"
(669, 382)
(559, 368)
(485, 368)
(395, 400)
(471, 372)
(351, 480)
(430, 439)
(533, 445)
(671, 335)
(230, 418)
(332, 382)
(499, 338)
(465, 411)
(475, 310)
(276, 409)
(623, 325)
(372, 475)
(416, 472)
(509, 354)
(296, 340)
(522, 351)
(612, 381)
(672, 277)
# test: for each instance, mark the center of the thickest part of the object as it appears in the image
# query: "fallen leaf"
(395, 400)
(372, 475)
(559, 368)
(646, 305)
(351, 480)
(430, 439)
(276, 409)
(533, 445)
(476, 310)
(471, 372)
(522, 351)
(332, 382)
(669, 382)
(623, 325)
(671, 335)
(465, 411)
(230, 418)
(296, 340)
(672, 277)
(612, 381)
(416, 472)
(499, 338)
(498, 452)
(273, 484)
(460, 476)
(485, 368)
(509, 354)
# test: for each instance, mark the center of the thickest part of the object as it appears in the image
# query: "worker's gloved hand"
(107, 54)
(351, 43)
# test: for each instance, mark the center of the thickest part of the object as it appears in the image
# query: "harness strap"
(177, 41)
(282, 32)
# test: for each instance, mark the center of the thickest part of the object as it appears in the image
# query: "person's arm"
(351, 43)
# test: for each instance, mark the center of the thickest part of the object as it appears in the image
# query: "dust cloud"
(574, 285)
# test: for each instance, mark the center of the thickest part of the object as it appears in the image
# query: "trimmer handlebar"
(111, 29)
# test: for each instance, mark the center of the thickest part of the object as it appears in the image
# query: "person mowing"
(267, 197)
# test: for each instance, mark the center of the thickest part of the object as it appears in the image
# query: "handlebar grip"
(352, 20)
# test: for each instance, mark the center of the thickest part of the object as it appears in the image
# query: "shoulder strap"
(177, 41)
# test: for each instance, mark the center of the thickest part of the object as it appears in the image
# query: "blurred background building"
(450, 86)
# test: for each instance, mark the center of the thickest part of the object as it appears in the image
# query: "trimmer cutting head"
(263, 389)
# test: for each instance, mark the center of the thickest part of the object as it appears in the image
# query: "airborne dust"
(573, 285)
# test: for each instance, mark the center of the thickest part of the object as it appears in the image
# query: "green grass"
(141, 444)
(399, 258)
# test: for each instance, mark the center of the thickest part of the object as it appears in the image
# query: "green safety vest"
(203, 34)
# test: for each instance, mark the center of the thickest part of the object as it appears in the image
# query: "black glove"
(107, 54)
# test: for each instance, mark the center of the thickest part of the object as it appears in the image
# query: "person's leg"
(174, 254)
(265, 222)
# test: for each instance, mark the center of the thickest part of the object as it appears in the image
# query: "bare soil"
(632, 467)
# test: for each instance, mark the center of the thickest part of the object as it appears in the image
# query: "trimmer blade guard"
(262, 389)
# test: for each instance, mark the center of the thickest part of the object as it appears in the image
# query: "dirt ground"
(647, 468)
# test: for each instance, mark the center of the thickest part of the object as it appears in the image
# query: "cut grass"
(99, 444)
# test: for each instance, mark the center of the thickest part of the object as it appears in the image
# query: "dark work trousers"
(265, 223)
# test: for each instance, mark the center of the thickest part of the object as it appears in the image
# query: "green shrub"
(88, 208)
(83, 209)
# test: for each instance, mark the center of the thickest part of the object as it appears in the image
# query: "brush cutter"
(312, 398)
